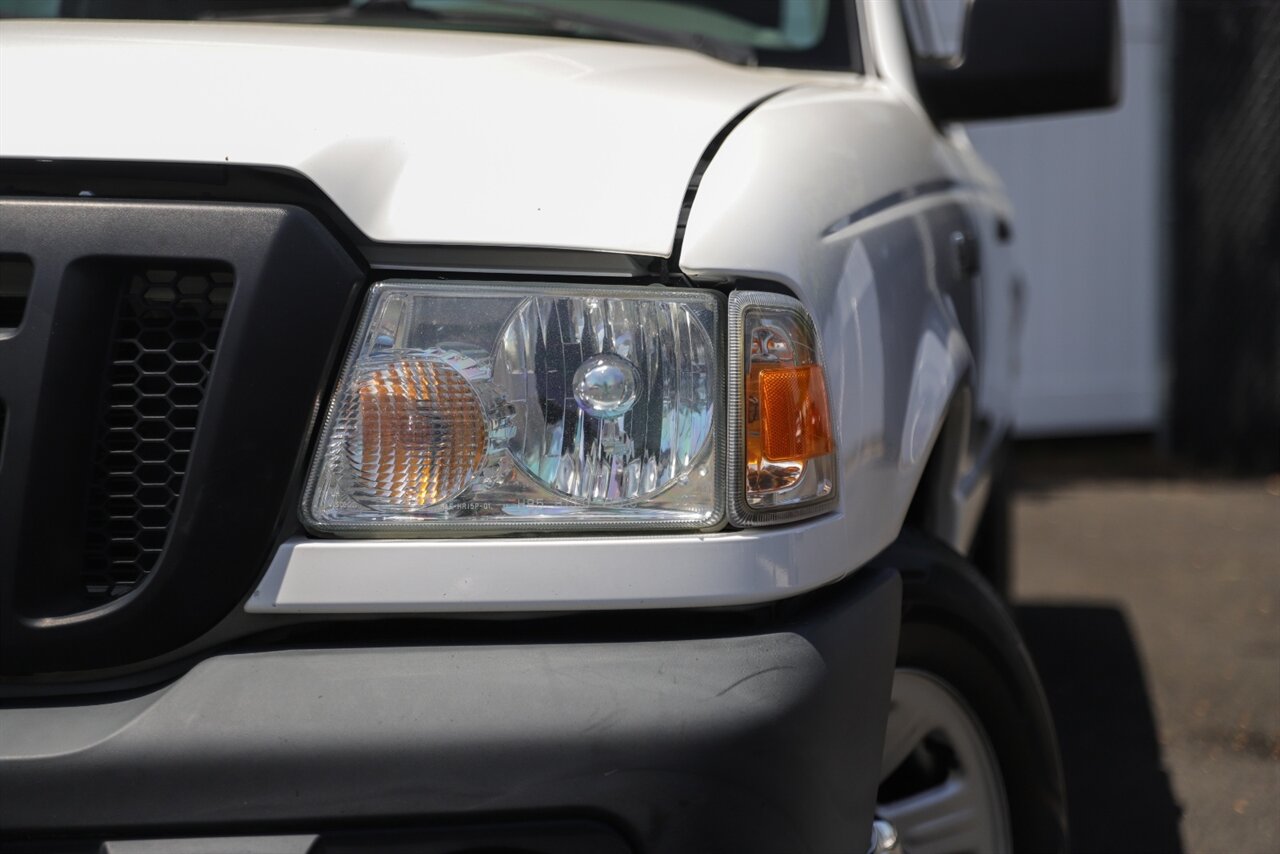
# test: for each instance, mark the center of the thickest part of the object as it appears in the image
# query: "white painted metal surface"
(1090, 216)
(893, 352)
(894, 349)
(833, 190)
(418, 136)
(840, 189)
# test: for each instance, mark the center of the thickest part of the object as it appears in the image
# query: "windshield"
(791, 33)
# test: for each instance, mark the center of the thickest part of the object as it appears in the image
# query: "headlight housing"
(468, 408)
(782, 443)
(473, 408)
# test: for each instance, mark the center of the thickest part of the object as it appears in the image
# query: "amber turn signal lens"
(794, 423)
(420, 434)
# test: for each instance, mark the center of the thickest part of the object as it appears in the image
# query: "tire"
(979, 719)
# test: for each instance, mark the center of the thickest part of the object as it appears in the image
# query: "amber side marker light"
(794, 422)
(787, 445)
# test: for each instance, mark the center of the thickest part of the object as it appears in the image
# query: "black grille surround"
(73, 597)
(162, 347)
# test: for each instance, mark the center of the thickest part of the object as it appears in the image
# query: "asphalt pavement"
(1150, 598)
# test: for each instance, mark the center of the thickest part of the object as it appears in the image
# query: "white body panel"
(859, 234)
(854, 233)
(838, 189)
(418, 136)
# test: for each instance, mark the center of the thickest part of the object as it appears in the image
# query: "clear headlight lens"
(465, 407)
(783, 433)
(613, 398)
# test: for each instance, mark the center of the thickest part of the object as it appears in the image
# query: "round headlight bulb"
(606, 386)
(613, 399)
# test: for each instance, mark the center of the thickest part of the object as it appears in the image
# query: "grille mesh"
(162, 348)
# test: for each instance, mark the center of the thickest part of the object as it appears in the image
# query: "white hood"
(419, 136)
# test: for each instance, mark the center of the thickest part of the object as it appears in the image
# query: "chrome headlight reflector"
(468, 408)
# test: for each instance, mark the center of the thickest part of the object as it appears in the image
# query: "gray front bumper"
(764, 742)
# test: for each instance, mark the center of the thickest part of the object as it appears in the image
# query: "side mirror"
(1022, 57)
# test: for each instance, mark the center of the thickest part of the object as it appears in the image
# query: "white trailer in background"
(1091, 216)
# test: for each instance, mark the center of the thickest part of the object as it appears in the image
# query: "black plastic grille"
(15, 284)
(162, 347)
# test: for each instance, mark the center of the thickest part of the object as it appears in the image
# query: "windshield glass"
(792, 33)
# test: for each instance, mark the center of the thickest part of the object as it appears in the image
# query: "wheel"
(941, 787)
(970, 762)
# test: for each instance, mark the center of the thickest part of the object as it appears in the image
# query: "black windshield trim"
(839, 50)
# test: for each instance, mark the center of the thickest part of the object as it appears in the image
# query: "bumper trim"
(539, 574)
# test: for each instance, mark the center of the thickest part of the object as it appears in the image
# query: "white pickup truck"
(480, 425)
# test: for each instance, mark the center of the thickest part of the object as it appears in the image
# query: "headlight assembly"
(469, 408)
(487, 407)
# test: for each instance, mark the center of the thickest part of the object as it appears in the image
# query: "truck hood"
(418, 136)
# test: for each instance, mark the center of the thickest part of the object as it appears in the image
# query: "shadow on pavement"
(1118, 792)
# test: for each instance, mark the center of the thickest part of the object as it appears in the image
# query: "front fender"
(847, 198)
